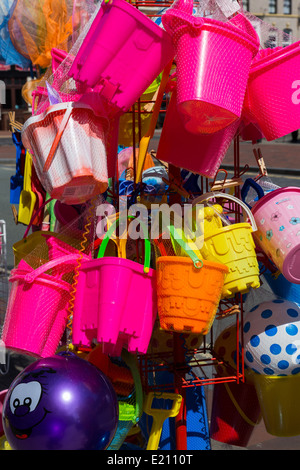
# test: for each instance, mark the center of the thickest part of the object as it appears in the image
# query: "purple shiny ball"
(60, 403)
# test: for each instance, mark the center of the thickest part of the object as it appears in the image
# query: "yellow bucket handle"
(207, 196)
(239, 409)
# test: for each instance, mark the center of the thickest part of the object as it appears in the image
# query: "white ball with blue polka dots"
(272, 338)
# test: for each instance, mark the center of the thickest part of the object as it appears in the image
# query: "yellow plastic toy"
(231, 245)
(160, 415)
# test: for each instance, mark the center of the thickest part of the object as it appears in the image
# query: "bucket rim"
(114, 261)
(229, 228)
(57, 107)
(186, 260)
(273, 194)
(201, 23)
(272, 60)
(138, 16)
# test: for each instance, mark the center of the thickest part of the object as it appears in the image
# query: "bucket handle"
(58, 136)
(207, 196)
(198, 263)
(109, 234)
(170, 21)
(250, 183)
(30, 277)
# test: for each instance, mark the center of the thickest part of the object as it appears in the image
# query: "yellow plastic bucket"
(233, 246)
(279, 399)
(126, 121)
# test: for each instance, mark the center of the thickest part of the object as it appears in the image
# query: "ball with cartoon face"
(60, 403)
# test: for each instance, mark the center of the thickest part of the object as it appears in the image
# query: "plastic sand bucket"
(58, 56)
(124, 64)
(272, 99)
(277, 215)
(235, 413)
(213, 62)
(37, 307)
(279, 397)
(68, 148)
(115, 302)
(181, 148)
(233, 246)
(188, 294)
(235, 407)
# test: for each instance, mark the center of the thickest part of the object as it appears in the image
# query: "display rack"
(190, 368)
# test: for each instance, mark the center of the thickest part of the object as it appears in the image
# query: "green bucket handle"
(198, 263)
(109, 234)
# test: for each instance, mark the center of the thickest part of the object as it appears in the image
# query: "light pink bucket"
(213, 61)
(37, 307)
(199, 153)
(123, 52)
(273, 91)
(277, 215)
(71, 140)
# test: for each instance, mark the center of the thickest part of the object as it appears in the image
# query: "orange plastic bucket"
(188, 296)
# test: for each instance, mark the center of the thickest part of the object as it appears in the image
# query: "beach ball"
(272, 338)
(60, 403)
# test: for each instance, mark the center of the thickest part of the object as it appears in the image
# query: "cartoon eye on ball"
(25, 398)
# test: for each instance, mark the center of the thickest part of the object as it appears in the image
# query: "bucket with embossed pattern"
(233, 245)
(188, 295)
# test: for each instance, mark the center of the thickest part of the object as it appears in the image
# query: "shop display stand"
(190, 368)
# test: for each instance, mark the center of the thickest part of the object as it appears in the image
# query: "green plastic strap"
(109, 234)
(131, 361)
(175, 235)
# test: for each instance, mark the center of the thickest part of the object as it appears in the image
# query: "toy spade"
(160, 415)
(27, 197)
(16, 181)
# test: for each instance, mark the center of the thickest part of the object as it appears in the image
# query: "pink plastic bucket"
(58, 56)
(37, 307)
(116, 303)
(277, 215)
(124, 51)
(273, 99)
(213, 63)
(200, 153)
(76, 137)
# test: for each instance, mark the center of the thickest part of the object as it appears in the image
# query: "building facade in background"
(279, 15)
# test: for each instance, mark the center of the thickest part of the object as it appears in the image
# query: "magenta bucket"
(273, 91)
(37, 309)
(199, 153)
(277, 215)
(123, 52)
(213, 61)
(115, 303)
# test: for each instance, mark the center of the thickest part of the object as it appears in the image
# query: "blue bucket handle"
(250, 183)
